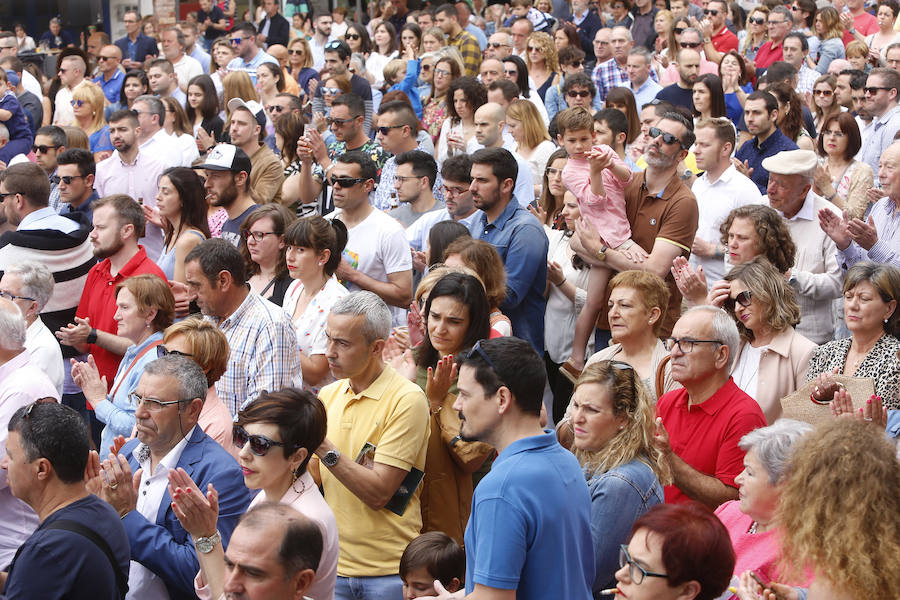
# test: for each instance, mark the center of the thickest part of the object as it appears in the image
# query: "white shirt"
(188, 145)
(142, 582)
(562, 312)
(64, 114)
(715, 200)
(31, 84)
(168, 150)
(186, 69)
(45, 352)
(746, 370)
(46, 218)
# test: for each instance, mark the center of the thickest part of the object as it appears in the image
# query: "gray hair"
(373, 308)
(773, 445)
(641, 51)
(154, 106)
(509, 40)
(191, 378)
(783, 10)
(692, 30)
(37, 281)
(724, 330)
(627, 31)
(12, 327)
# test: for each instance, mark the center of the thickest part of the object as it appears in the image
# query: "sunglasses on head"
(667, 138)
(163, 351)
(259, 444)
(744, 299)
(346, 182)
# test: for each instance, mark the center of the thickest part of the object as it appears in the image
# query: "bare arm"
(375, 487)
(314, 368)
(698, 486)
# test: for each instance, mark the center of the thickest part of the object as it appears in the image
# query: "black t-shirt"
(677, 96)
(61, 564)
(215, 15)
(231, 230)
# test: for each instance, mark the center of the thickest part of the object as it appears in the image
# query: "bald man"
(491, 70)
(109, 76)
(499, 46)
(490, 122)
(681, 92)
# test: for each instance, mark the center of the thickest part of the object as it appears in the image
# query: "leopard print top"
(882, 364)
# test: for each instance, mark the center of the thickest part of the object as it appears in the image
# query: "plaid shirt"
(470, 50)
(264, 352)
(609, 74)
(381, 198)
(806, 79)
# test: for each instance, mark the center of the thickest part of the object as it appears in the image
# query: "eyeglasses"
(3, 195)
(9, 296)
(64, 70)
(777, 22)
(826, 93)
(426, 67)
(403, 178)
(710, 11)
(691, 44)
(295, 52)
(477, 349)
(442, 73)
(67, 179)
(496, 45)
(332, 121)
(352, 36)
(274, 108)
(151, 404)
(874, 90)
(795, 9)
(259, 444)
(77, 103)
(450, 192)
(238, 41)
(756, 20)
(838, 134)
(685, 345)
(578, 93)
(256, 235)
(636, 573)
(346, 182)
(333, 45)
(43, 149)
(163, 351)
(386, 129)
(103, 58)
(7, 47)
(667, 138)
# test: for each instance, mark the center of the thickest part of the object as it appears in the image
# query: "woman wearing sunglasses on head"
(277, 434)
(611, 426)
(773, 358)
(206, 345)
(144, 308)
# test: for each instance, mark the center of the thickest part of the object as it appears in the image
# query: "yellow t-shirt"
(392, 415)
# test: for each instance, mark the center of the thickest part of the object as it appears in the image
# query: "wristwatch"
(91, 337)
(330, 459)
(601, 253)
(204, 545)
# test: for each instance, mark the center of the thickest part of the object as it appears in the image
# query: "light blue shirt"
(238, 64)
(417, 233)
(479, 35)
(645, 93)
(46, 218)
(201, 56)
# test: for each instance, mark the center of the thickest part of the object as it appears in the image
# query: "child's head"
(576, 131)
(394, 71)
(432, 555)
(519, 8)
(611, 128)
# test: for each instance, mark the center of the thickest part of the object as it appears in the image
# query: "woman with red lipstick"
(773, 358)
(612, 422)
(870, 311)
(312, 254)
(840, 178)
(676, 552)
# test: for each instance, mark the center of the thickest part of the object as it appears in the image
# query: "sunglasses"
(533, 49)
(295, 52)
(77, 103)
(386, 129)
(259, 444)
(333, 45)
(678, 30)
(744, 299)
(67, 179)
(496, 45)
(331, 91)
(442, 73)
(710, 11)
(346, 182)
(874, 90)
(578, 93)
(331, 121)
(667, 138)
(103, 58)
(352, 36)
(43, 149)
(163, 351)
(238, 41)
(756, 20)
(576, 64)
(825, 93)
(691, 44)
(274, 108)
(426, 67)
(477, 349)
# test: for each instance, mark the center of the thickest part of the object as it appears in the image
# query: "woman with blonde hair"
(756, 34)
(542, 61)
(433, 39)
(830, 32)
(237, 84)
(526, 126)
(87, 103)
(206, 345)
(612, 428)
(841, 523)
(300, 63)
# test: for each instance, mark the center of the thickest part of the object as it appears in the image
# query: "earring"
(885, 321)
(296, 478)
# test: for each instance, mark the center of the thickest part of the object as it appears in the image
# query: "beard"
(659, 159)
(102, 252)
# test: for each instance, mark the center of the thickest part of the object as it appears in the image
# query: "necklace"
(862, 354)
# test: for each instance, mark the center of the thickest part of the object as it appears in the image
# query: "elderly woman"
(841, 179)
(870, 312)
(676, 552)
(751, 521)
(277, 434)
(612, 423)
(206, 345)
(852, 554)
(144, 308)
(637, 303)
(773, 358)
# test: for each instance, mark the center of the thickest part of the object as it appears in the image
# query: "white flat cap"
(791, 162)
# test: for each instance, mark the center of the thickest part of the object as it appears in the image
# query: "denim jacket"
(618, 497)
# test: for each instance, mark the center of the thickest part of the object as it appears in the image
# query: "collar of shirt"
(169, 461)
(504, 216)
(34, 217)
(239, 312)
(135, 349)
(724, 179)
(715, 402)
(130, 267)
(887, 116)
(577, 19)
(84, 207)
(526, 444)
(375, 390)
(781, 343)
(668, 191)
(776, 137)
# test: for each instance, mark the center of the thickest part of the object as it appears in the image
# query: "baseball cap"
(226, 157)
(12, 77)
(256, 109)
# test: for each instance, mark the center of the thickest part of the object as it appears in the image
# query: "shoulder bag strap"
(82, 530)
(115, 389)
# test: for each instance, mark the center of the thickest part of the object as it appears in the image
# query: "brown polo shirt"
(670, 217)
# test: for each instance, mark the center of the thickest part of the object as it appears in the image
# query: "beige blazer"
(782, 369)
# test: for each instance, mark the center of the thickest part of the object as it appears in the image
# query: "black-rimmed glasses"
(256, 235)
(686, 345)
(636, 573)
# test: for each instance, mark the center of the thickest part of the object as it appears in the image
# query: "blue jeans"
(387, 587)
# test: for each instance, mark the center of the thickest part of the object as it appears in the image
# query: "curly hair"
(771, 291)
(839, 507)
(774, 238)
(548, 51)
(474, 92)
(630, 400)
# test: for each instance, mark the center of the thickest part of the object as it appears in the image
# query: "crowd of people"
(472, 299)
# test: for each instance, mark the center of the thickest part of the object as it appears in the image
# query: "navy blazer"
(164, 546)
(146, 46)
(279, 30)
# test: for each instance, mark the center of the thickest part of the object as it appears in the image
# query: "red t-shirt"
(724, 41)
(98, 303)
(706, 436)
(766, 55)
(864, 23)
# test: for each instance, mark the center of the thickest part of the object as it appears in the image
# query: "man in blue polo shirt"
(760, 114)
(109, 76)
(518, 237)
(529, 530)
